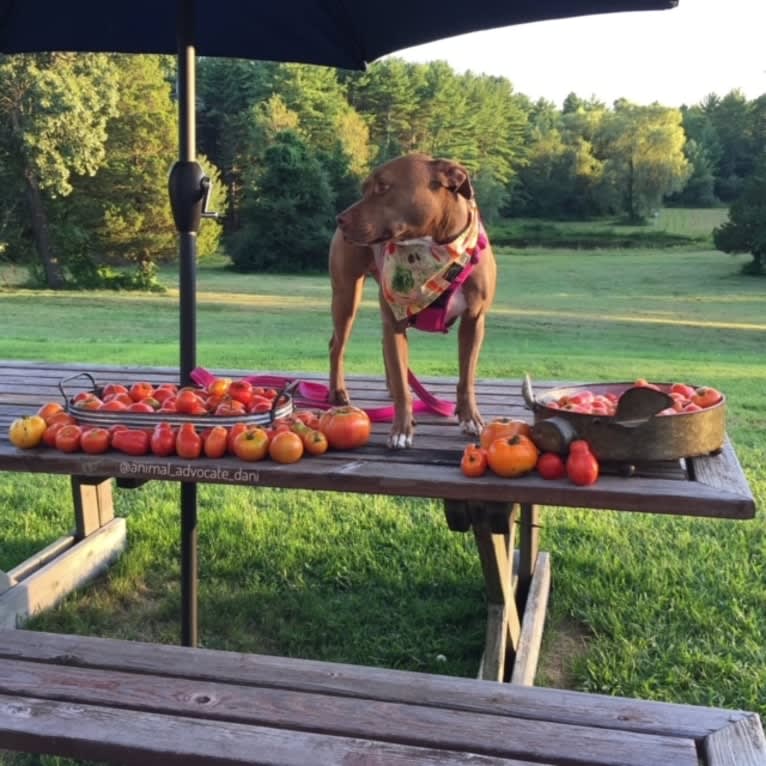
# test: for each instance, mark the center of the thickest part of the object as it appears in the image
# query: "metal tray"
(151, 419)
(635, 432)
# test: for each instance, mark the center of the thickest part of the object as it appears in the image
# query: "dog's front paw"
(401, 434)
(339, 397)
(471, 424)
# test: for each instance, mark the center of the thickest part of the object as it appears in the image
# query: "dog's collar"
(414, 273)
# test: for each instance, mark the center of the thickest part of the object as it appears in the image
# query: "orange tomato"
(503, 427)
(49, 409)
(705, 396)
(251, 444)
(188, 442)
(345, 427)
(139, 391)
(215, 441)
(314, 442)
(512, 456)
(286, 447)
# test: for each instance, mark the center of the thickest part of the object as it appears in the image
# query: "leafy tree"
(54, 110)
(745, 231)
(644, 159)
(287, 211)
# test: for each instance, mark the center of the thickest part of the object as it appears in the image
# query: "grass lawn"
(662, 608)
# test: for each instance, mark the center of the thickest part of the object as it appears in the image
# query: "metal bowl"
(636, 433)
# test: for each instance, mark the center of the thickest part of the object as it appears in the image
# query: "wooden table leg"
(517, 583)
(42, 580)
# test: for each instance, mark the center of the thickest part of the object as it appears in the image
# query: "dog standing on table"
(417, 229)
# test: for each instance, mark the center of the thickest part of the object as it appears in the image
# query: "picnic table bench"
(502, 514)
(138, 703)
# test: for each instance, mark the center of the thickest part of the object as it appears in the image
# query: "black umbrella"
(340, 33)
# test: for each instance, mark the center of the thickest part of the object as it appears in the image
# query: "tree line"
(86, 142)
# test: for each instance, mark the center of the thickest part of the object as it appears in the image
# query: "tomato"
(582, 465)
(551, 466)
(500, 427)
(89, 402)
(314, 442)
(27, 432)
(234, 432)
(94, 441)
(512, 456)
(241, 390)
(131, 441)
(163, 440)
(49, 409)
(214, 444)
(113, 388)
(687, 392)
(113, 405)
(252, 444)
(187, 401)
(188, 442)
(474, 461)
(162, 395)
(706, 397)
(286, 447)
(122, 398)
(49, 437)
(229, 408)
(141, 390)
(218, 386)
(68, 438)
(141, 406)
(345, 427)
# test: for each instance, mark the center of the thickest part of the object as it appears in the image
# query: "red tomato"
(89, 402)
(286, 447)
(131, 441)
(140, 407)
(687, 392)
(551, 466)
(582, 466)
(214, 444)
(188, 442)
(114, 405)
(113, 388)
(241, 390)
(345, 427)
(163, 440)
(234, 432)
(68, 438)
(163, 394)
(94, 441)
(49, 437)
(252, 444)
(474, 461)
(187, 401)
(139, 391)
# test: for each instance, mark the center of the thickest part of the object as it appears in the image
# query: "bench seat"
(140, 703)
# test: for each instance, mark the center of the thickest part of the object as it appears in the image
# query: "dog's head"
(407, 198)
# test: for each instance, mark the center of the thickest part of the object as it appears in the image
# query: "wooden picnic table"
(516, 573)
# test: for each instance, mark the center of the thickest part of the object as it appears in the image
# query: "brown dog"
(409, 205)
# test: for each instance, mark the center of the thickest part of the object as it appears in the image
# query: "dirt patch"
(564, 643)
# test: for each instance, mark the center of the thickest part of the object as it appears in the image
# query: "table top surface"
(713, 486)
(133, 698)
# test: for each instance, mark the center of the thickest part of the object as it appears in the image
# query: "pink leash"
(316, 395)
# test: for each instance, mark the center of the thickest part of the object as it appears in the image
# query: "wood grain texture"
(740, 744)
(532, 623)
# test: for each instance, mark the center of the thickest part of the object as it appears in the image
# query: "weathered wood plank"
(742, 743)
(532, 623)
(71, 569)
(396, 723)
(148, 739)
(93, 505)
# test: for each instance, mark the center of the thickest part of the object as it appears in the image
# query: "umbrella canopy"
(340, 33)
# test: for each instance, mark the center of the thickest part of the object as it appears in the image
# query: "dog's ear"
(452, 176)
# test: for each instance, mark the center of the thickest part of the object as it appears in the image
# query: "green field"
(662, 608)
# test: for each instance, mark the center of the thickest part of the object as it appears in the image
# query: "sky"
(676, 57)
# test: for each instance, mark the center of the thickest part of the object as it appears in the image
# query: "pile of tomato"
(285, 441)
(507, 449)
(686, 398)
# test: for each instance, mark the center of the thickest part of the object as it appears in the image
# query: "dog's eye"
(381, 188)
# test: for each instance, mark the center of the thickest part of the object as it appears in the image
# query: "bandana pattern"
(415, 272)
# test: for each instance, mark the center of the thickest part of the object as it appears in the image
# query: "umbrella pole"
(186, 197)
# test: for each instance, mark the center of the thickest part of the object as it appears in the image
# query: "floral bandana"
(414, 273)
